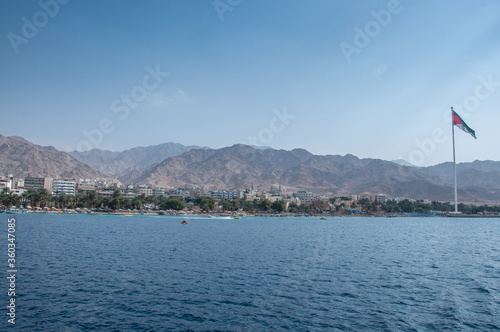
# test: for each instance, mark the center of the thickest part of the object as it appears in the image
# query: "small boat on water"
(235, 217)
(16, 211)
(184, 222)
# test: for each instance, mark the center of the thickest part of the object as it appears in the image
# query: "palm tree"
(77, 199)
(90, 199)
(226, 204)
(10, 199)
(61, 200)
(25, 196)
(33, 197)
(43, 196)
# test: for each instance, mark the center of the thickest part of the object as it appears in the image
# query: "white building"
(85, 185)
(145, 191)
(220, 195)
(157, 192)
(380, 198)
(177, 193)
(306, 197)
(18, 191)
(5, 184)
(67, 186)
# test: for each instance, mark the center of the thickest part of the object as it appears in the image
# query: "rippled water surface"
(88, 272)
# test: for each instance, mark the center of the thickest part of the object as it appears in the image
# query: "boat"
(322, 218)
(16, 211)
(184, 222)
(235, 217)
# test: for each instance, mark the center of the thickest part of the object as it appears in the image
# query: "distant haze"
(375, 79)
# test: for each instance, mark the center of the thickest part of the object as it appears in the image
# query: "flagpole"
(454, 161)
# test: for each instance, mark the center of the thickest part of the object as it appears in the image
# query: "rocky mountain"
(119, 164)
(401, 162)
(242, 166)
(478, 177)
(22, 158)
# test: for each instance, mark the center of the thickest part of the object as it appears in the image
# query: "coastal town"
(49, 195)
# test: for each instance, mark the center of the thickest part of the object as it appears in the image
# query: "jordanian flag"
(457, 121)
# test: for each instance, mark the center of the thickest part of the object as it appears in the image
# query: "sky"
(375, 79)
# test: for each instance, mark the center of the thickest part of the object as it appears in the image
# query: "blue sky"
(371, 78)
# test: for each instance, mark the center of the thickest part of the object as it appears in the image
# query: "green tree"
(206, 203)
(138, 202)
(173, 204)
(279, 205)
(247, 206)
(37, 197)
(438, 206)
(226, 204)
(78, 201)
(293, 207)
(406, 206)
(422, 207)
(236, 203)
(60, 200)
(116, 200)
(117, 193)
(104, 203)
(45, 196)
(9, 199)
(265, 205)
(90, 198)
(364, 203)
(391, 206)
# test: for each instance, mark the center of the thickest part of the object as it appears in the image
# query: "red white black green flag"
(457, 121)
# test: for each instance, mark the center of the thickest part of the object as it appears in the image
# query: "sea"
(152, 273)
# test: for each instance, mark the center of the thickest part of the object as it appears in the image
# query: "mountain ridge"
(20, 157)
(242, 166)
(118, 164)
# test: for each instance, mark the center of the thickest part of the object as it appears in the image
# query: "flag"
(457, 121)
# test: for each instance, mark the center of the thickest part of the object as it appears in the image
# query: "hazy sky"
(370, 78)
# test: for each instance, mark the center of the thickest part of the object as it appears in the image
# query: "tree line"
(93, 200)
(419, 206)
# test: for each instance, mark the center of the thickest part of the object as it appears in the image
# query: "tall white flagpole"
(454, 162)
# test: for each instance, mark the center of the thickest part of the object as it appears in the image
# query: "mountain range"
(22, 158)
(242, 166)
(119, 164)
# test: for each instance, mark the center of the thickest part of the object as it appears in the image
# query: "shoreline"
(247, 215)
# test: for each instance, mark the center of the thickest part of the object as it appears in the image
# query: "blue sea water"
(152, 273)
